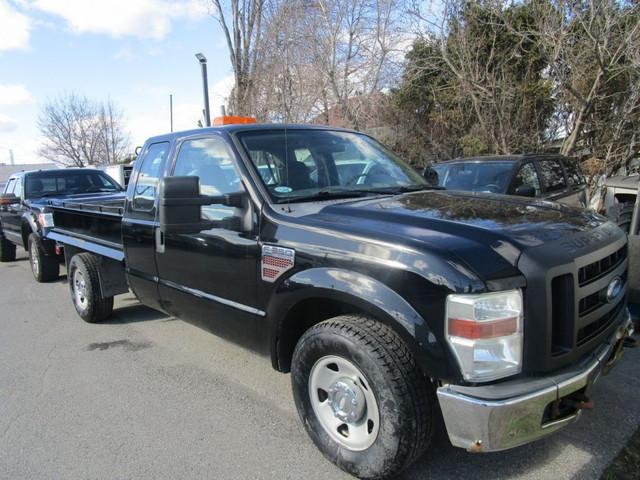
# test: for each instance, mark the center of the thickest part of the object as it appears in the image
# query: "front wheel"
(361, 397)
(84, 283)
(45, 268)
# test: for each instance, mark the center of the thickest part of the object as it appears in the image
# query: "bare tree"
(80, 132)
(299, 60)
(357, 50)
(241, 23)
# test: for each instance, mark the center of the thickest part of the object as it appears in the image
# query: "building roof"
(7, 170)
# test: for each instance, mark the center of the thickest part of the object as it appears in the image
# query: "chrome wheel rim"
(79, 290)
(33, 256)
(344, 403)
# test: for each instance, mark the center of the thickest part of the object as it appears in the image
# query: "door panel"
(11, 213)
(140, 224)
(209, 278)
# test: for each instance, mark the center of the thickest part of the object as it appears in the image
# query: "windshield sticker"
(283, 189)
(276, 261)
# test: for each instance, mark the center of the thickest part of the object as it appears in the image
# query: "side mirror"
(526, 191)
(180, 206)
(8, 198)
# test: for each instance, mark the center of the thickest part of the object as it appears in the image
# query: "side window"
(144, 193)
(11, 185)
(17, 188)
(209, 159)
(574, 174)
(527, 175)
(552, 175)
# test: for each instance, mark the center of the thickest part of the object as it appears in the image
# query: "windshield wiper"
(325, 194)
(417, 188)
(51, 194)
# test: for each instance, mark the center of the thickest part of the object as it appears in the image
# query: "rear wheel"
(361, 397)
(84, 283)
(44, 267)
(7, 250)
(621, 213)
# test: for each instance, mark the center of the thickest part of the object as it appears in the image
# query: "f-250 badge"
(275, 261)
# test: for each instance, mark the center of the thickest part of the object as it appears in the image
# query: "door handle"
(159, 241)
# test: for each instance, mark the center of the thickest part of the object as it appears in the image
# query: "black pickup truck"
(21, 202)
(385, 299)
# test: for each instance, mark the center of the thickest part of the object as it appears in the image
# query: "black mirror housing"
(526, 191)
(180, 205)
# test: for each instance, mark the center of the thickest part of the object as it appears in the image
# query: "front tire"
(621, 213)
(45, 268)
(361, 397)
(84, 283)
(7, 250)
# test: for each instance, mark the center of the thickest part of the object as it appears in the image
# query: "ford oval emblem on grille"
(613, 289)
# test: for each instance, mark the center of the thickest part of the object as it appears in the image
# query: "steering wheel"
(491, 188)
(365, 176)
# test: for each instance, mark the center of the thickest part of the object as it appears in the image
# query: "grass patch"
(626, 466)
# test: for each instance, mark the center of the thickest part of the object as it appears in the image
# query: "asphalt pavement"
(146, 396)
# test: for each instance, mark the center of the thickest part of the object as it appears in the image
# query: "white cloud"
(126, 53)
(220, 92)
(119, 18)
(7, 124)
(14, 95)
(14, 28)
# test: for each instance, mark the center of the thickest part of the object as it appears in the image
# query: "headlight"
(45, 219)
(485, 332)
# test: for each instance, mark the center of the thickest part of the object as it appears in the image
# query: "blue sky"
(138, 53)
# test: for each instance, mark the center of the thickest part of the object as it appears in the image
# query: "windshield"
(474, 176)
(302, 163)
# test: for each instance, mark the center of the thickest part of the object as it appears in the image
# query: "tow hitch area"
(567, 407)
(578, 400)
(622, 335)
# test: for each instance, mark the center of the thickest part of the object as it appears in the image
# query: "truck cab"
(386, 299)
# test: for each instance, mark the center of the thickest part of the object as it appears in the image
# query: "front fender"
(29, 225)
(359, 293)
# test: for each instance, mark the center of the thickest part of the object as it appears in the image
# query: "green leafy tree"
(476, 85)
(592, 49)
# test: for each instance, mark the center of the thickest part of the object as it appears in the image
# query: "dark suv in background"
(543, 176)
(24, 197)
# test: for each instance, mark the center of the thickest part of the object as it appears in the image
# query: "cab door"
(209, 278)
(140, 223)
(11, 211)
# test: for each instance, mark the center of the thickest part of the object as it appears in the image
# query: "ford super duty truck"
(386, 299)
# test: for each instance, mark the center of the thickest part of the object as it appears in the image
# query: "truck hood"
(474, 227)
